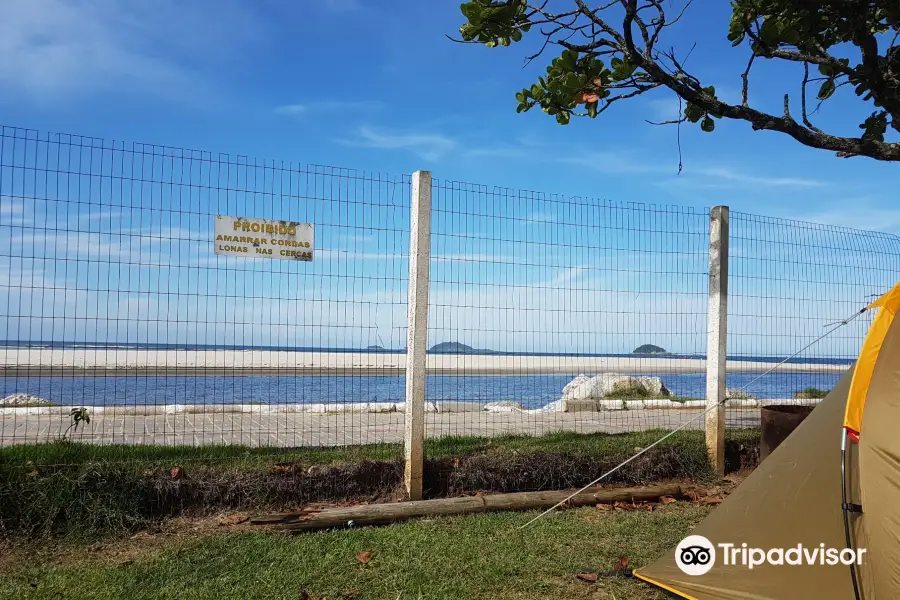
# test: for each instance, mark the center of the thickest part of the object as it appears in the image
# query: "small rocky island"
(376, 347)
(649, 349)
(455, 348)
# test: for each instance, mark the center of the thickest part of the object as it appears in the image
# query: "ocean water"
(532, 390)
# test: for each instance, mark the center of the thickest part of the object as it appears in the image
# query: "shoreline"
(79, 362)
(442, 407)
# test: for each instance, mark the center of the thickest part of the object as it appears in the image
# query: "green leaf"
(536, 91)
(693, 112)
(592, 109)
(826, 90)
(516, 35)
(520, 96)
(521, 107)
(768, 33)
(707, 124)
(826, 70)
(562, 118)
(790, 36)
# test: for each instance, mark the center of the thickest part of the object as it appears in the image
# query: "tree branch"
(805, 116)
(763, 121)
(746, 80)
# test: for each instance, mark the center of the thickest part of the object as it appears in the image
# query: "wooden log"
(379, 514)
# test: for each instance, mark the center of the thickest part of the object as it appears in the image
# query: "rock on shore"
(24, 400)
(600, 386)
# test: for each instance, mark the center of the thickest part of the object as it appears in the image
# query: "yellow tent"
(889, 303)
(802, 495)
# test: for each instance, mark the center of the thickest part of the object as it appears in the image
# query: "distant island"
(456, 348)
(376, 347)
(649, 349)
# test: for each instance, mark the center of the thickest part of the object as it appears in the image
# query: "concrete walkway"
(344, 429)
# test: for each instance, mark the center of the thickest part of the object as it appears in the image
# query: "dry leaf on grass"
(233, 520)
(667, 500)
(588, 577)
(364, 557)
(693, 495)
(710, 500)
(350, 594)
(304, 595)
(632, 506)
(605, 507)
(177, 472)
(621, 564)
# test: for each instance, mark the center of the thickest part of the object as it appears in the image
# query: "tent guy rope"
(835, 326)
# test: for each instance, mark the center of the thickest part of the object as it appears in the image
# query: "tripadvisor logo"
(696, 555)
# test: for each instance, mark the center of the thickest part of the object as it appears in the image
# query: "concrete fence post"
(717, 329)
(417, 333)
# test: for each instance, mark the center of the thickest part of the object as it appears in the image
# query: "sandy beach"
(75, 361)
(341, 429)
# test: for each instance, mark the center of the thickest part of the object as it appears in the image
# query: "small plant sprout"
(78, 416)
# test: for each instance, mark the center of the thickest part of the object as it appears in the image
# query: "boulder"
(597, 387)
(504, 406)
(581, 405)
(739, 395)
(24, 400)
(568, 391)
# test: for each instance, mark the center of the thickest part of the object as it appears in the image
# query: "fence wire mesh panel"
(558, 314)
(114, 299)
(790, 283)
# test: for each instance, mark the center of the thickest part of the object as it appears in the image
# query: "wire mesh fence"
(540, 302)
(113, 298)
(547, 313)
(790, 283)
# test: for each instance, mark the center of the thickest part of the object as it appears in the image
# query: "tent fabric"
(879, 468)
(889, 304)
(793, 497)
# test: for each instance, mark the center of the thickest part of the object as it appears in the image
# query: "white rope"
(709, 409)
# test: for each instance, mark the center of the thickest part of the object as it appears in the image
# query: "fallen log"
(380, 514)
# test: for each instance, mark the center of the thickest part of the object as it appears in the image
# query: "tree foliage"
(609, 51)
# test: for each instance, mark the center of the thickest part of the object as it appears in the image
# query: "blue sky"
(377, 86)
(351, 83)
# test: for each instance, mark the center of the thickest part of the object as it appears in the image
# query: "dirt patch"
(504, 471)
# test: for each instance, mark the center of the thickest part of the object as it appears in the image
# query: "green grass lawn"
(141, 456)
(476, 556)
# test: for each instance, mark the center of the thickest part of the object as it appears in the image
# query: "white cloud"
(52, 49)
(733, 175)
(857, 214)
(612, 162)
(304, 109)
(541, 217)
(428, 146)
